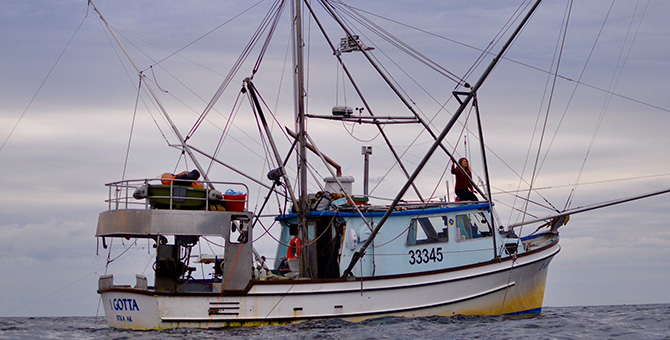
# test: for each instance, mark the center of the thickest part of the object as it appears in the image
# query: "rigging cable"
(378, 63)
(492, 44)
(523, 211)
(206, 34)
(390, 80)
(613, 84)
(558, 55)
(331, 11)
(263, 138)
(383, 72)
(574, 90)
(355, 14)
(499, 36)
(447, 166)
(132, 128)
(131, 78)
(271, 31)
(375, 28)
(39, 89)
(274, 11)
(525, 64)
(173, 77)
(313, 172)
(233, 112)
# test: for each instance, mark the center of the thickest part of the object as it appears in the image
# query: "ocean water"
(636, 322)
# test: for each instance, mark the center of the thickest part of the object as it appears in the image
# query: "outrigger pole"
(589, 208)
(140, 73)
(464, 103)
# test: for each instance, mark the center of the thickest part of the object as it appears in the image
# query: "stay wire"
(399, 44)
(382, 67)
(41, 298)
(233, 112)
(559, 53)
(593, 87)
(574, 91)
(39, 89)
(557, 56)
(506, 27)
(613, 84)
(263, 138)
(453, 151)
(208, 33)
(356, 14)
(236, 66)
(614, 180)
(273, 27)
(417, 83)
(378, 63)
(312, 170)
(132, 128)
(131, 77)
(375, 28)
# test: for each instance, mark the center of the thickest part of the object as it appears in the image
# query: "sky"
(67, 106)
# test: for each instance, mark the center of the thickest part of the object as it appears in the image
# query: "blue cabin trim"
(329, 213)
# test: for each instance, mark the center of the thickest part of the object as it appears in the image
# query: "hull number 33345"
(419, 256)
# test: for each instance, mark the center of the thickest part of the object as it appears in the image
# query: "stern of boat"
(135, 309)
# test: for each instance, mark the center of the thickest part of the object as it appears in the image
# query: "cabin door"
(328, 234)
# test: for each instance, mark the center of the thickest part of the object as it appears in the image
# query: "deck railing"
(182, 194)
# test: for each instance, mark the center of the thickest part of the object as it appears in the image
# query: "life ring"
(295, 244)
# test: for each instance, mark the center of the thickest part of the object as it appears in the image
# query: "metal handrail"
(120, 193)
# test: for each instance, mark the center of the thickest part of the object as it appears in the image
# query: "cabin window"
(425, 230)
(471, 226)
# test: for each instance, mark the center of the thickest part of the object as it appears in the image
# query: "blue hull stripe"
(528, 311)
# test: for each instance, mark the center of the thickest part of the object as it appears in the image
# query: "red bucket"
(234, 202)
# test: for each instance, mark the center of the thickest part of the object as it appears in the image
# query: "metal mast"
(299, 94)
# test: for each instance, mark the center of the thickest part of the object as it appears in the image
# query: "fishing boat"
(338, 254)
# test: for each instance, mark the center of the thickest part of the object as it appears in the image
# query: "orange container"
(234, 202)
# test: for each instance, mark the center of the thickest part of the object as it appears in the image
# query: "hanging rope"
(509, 283)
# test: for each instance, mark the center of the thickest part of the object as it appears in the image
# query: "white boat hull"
(495, 288)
